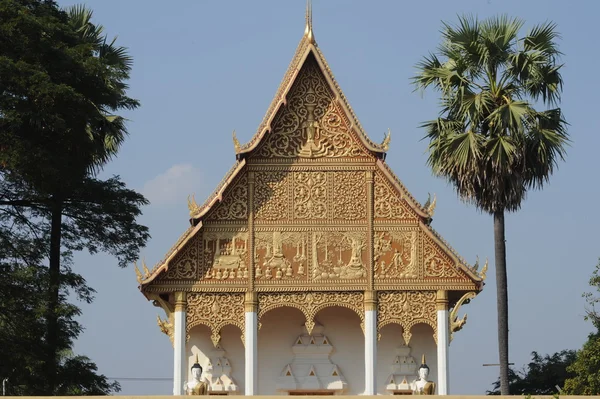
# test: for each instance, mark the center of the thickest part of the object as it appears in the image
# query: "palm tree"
(490, 141)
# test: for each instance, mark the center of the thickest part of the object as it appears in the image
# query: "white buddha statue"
(196, 386)
(422, 386)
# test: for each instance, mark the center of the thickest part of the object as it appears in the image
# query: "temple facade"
(310, 269)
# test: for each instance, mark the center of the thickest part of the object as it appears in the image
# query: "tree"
(541, 376)
(586, 367)
(23, 302)
(489, 141)
(61, 85)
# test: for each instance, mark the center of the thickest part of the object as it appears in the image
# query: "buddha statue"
(196, 386)
(422, 386)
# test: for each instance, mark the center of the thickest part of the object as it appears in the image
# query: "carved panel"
(311, 303)
(349, 195)
(388, 202)
(312, 124)
(215, 311)
(184, 265)
(281, 255)
(225, 255)
(407, 308)
(234, 205)
(437, 262)
(310, 195)
(395, 254)
(339, 255)
(271, 195)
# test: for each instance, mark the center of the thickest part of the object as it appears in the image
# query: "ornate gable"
(310, 205)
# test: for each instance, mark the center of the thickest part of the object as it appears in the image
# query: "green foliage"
(540, 376)
(586, 368)
(62, 83)
(490, 142)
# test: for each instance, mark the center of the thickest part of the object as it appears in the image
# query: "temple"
(311, 269)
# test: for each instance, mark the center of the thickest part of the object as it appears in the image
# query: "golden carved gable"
(312, 125)
(184, 265)
(389, 203)
(438, 264)
(234, 206)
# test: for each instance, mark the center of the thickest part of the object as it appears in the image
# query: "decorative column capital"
(251, 177)
(251, 302)
(441, 300)
(370, 300)
(370, 176)
(180, 301)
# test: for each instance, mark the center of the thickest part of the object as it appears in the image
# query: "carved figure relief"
(437, 263)
(339, 255)
(312, 125)
(234, 205)
(388, 202)
(395, 254)
(271, 195)
(184, 265)
(311, 303)
(215, 311)
(281, 255)
(225, 255)
(407, 308)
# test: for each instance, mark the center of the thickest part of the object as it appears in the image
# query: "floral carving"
(215, 311)
(312, 125)
(407, 308)
(310, 195)
(388, 202)
(437, 263)
(184, 265)
(235, 202)
(349, 195)
(311, 303)
(271, 195)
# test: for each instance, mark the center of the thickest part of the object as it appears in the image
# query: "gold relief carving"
(407, 308)
(310, 195)
(280, 255)
(339, 255)
(215, 311)
(388, 202)
(271, 195)
(234, 205)
(311, 303)
(225, 255)
(349, 195)
(312, 124)
(185, 264)
(395, 254)
(437, 263)
(166, 326)
(457, 324)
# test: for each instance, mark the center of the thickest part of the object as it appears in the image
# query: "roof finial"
(308, 29)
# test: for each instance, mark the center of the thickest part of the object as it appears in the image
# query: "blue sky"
(204, 68)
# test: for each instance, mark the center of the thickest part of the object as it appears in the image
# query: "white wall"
(421, 342)
(231, 342)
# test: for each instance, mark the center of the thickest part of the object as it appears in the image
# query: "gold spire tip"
(197, 359)
(423, 359)
(308, 17)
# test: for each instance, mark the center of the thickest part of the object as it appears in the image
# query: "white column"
(251, 343)
(179, 360)
(370, 343)
(443, 331)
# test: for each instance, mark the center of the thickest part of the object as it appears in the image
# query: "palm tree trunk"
(502, 299)
(53, 297)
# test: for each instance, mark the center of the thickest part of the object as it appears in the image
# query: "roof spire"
(308, 32)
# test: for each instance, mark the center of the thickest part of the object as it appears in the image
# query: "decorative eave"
(306, 46)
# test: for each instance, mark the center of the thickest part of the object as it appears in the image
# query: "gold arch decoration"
(407, 308)
(215, 310)
(311, 303)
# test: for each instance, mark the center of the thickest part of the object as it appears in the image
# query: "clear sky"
(204, 68)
